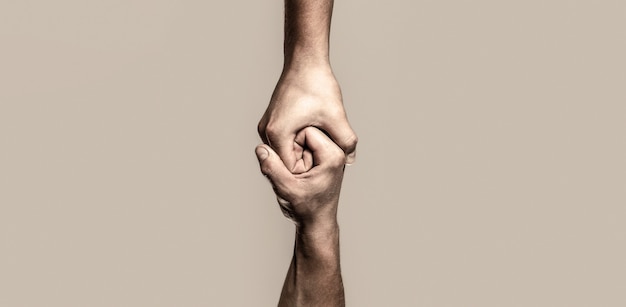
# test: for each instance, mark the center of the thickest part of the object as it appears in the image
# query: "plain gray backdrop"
(490, 168)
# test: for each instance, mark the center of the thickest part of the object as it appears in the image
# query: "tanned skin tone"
(310, 200)
(307, 93)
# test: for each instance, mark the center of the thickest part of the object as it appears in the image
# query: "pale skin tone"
(310, 200)
(304, 165)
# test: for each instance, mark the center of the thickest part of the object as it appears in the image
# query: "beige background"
(491, 166)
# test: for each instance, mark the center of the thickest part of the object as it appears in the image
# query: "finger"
(343, 135)
(321, 147)
(272, 167)
(283, 143)
(304, 156)
(304, 161)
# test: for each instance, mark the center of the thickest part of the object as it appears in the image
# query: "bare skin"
(310, 200)
(304, 165)
(307, 93)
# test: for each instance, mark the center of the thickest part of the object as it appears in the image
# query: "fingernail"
(350, 158)
(262, 153)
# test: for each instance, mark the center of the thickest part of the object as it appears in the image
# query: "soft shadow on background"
(490, 169)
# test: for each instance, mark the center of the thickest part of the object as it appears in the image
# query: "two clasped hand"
(307, 141)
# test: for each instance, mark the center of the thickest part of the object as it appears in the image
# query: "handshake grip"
(308, 194)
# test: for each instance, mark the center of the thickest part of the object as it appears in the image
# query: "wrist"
(318, 241)
(318, 222)
(310, 75)
(303, 63)
(319, 229)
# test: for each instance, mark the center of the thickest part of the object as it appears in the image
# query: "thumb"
(273, 167)
(284, 145)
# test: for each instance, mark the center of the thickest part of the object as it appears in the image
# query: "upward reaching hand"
(310, 199)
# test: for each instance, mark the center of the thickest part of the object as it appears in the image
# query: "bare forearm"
(314, 277)
(307, 32)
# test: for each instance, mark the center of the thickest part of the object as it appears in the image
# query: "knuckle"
(349, 143)
(352, 140)
(266, 170)
(272, 129)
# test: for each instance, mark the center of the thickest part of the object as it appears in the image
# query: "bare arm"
(307, 33)
(307, 93)
(310, 199)
(314, 277)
